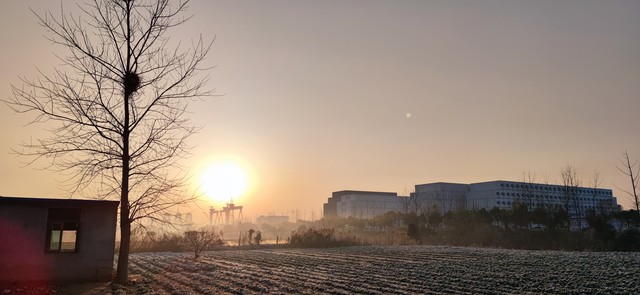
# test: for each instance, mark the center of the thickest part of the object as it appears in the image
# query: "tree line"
(518, 228)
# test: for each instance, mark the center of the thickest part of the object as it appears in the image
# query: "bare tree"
(199, 240)
(570, 193)
(631, 170)
(528, 191)
(546, 179)
(117, 106)
(595, 184)
(250, 233)
(412, 205)
(258, 238)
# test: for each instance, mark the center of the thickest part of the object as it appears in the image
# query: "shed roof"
(46, 202)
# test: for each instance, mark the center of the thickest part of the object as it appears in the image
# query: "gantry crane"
(229, 213)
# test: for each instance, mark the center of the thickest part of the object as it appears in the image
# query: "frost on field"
(389, 270)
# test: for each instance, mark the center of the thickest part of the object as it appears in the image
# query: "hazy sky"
(317, 93)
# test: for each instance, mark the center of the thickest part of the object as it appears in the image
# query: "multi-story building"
(504, 194)
(362, 204)
(440, 195)
(577, 201)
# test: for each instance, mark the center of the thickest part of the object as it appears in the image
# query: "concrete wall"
(23, 230)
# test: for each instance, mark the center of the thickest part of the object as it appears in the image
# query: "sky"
(321, 96)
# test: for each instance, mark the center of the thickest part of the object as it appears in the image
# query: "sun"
(223, 180)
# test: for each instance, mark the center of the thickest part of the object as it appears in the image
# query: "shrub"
(413, 231)
(321, 238)
(152, 242)
(629, 240)
(198, 240)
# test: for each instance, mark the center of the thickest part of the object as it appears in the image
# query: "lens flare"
(224, 180)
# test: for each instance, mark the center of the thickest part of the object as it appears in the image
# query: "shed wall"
(22, 250)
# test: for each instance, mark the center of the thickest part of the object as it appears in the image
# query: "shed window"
(62, 230)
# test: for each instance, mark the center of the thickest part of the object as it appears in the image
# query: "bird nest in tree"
(131, 83)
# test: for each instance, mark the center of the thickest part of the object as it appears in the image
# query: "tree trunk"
(129, 86)
(122, 272)
(634, 181)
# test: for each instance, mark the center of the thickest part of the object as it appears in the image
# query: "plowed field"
(387, 270)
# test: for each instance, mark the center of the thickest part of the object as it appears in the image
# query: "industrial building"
(446, 197)
(362, 204)
(272, 219)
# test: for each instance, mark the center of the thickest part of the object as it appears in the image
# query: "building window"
(62, 230)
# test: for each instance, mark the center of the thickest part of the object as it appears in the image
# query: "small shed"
(56, 240)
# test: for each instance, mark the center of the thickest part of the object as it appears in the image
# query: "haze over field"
(320, 96)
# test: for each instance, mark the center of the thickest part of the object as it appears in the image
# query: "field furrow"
(387, 270)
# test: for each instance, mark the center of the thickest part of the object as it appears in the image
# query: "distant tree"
(388, 219)
(435, 218)
(539, 215)
(571, 192)
(242, 238)
(629, 240)
(628, 218)
(632, 170)
(484, 216)
(412, 206)
(557, 218)
(520, 215)
(604, 231)
(413, 231)
(527, 190)
(250, 238)
(595, 184)
(199, 240)
(116, 107)
(500, 216)
(258, 238)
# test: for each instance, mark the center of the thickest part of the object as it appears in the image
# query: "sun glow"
(224, 179)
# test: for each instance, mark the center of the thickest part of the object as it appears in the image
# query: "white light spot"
(408, 115)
